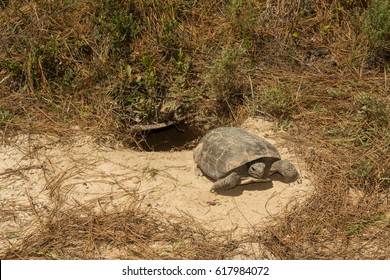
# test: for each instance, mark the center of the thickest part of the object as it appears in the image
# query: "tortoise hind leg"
(226, 183)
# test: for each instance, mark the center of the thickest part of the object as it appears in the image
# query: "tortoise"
(229, 154)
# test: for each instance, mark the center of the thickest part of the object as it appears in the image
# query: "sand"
(45, 170)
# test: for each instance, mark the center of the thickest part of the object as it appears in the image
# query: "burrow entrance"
(174, 137)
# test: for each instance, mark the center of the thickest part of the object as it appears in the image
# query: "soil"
(44, 170)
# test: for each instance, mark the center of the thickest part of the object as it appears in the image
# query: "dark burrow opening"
(174, 137)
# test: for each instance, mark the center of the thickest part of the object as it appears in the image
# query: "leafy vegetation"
(377, 27)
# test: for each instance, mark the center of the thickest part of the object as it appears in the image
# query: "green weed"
(223, 79)
(326, 30)
(138, 95)
(47, 66)
(278, 101)
(181, 62)
(377, 28)
(243, 17)
(13, 66)
(372, 111)
(116, 19)
(361, 169)
(150, 80)
(170, 37)
(359, 227)
(318, 230)
(319, 108)
(355, 228)
(5, 115)
(334, 92)
(179, 77)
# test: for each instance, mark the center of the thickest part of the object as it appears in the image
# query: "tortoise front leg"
(283, 171)
(226, 183)
(198, 172)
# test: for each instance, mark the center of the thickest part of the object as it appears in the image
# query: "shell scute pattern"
(226, 148)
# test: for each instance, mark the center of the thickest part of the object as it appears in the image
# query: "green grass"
(376, 26)
(361, 226)
(5, 115)
(222, 80)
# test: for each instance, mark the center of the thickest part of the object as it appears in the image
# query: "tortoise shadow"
(239, 190)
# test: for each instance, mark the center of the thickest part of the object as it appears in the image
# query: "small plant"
(138, 94)
(47, 66)
(334, 92)
(278, 101)
(181, 62)
(170, 37)
(372, 110)
(5, 115)
(13, 66)
(326, 30)
(318, 230)
(360, 170)
(377, 27)
(117, 20)
(319, 108)
(359, 227)
(223, 78)
(150, 79)
(384, 179)
(241, 14)
(355, 229)
(179, 73)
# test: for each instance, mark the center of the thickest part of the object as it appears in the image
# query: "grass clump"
(223, 82)
(242, 16)
(137, 96)
(373, 111)
(361, 226)
(48, 69)
(5, 115)
(278, 101)
(118, 20)
(377, 28)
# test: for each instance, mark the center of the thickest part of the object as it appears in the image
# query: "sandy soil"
(41, 170)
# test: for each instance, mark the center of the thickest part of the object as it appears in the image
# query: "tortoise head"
(256, 170)
(283, 171)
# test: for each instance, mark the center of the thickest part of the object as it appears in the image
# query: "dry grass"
(347, 150)
(307, 64)
(134, 232)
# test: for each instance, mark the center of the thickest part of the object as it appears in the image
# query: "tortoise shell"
(225, 149)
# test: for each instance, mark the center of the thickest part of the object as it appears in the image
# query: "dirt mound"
(42, 170)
